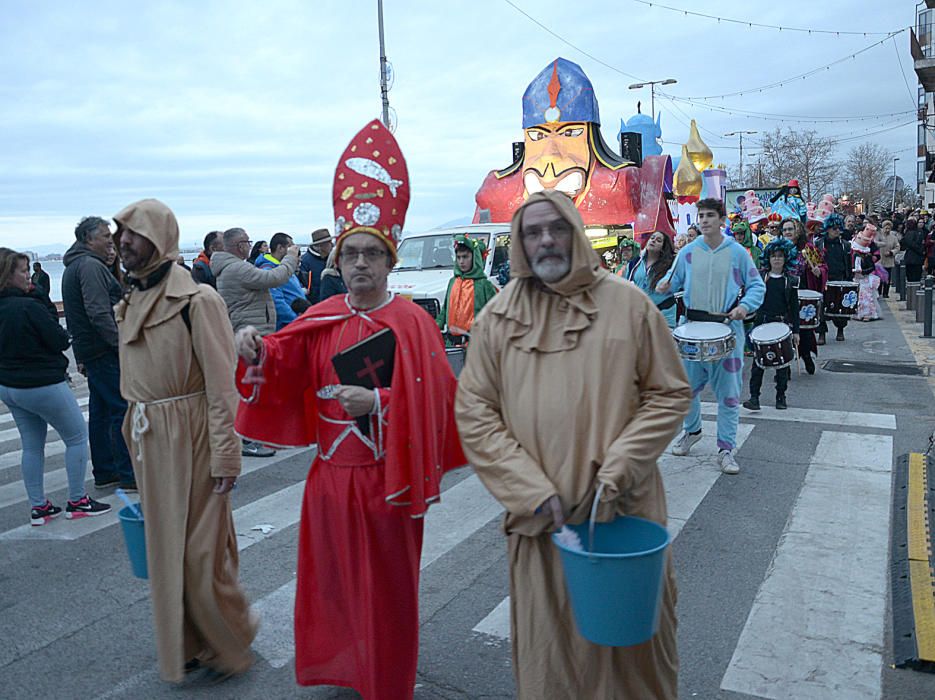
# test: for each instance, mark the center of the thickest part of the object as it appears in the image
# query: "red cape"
(628, 195)
(421, 441)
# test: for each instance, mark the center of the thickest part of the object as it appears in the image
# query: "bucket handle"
(597, 500)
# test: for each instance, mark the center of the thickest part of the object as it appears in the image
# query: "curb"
(911, 565)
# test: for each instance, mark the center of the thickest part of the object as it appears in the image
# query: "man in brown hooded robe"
(545, 415)
(177, 356)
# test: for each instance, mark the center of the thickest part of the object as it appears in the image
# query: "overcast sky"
(234, 113)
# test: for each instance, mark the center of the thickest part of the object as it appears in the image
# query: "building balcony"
(923, 62)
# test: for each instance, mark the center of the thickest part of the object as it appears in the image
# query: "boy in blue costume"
(719, 279)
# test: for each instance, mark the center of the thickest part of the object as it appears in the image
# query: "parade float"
(563, 149)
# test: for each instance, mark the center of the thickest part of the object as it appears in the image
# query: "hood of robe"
(155, 222)
(548, 317)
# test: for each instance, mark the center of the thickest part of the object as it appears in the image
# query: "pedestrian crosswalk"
(822, 547)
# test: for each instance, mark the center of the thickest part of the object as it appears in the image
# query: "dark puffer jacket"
(32, 342)
(89, 292)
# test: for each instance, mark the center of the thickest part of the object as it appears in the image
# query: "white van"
(426, 262)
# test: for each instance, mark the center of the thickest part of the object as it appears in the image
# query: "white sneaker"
(684, 444)
(726, 461)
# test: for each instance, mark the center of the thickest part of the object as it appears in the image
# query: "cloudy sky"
(234, 113)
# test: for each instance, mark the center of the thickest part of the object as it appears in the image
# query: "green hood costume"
(484, 290)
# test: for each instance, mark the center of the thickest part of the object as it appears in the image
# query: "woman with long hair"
(331, 281)
(33, 386)
(658, 256)
(259, 248)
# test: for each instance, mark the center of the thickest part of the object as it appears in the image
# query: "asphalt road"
(782, 570)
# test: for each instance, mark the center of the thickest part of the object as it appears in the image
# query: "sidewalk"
(923, 349)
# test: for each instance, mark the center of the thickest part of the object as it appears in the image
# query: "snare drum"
(455, 359)
(841, 299)
(810, 303)
(772, 345)
(700, 341)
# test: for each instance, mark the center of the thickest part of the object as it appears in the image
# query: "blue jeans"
(106, 409)
(33, 411)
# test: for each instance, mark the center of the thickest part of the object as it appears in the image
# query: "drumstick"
(798, 357)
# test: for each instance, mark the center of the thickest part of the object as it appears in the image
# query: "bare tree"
(864, 174)
(801, 155)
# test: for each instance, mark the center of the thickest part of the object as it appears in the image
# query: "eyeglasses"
(371, 255)
(248, 242)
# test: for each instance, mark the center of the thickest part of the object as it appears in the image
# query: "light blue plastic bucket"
(133, 534)
(616, 588)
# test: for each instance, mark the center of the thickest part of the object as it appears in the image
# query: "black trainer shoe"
(129, 486)
(85, 507)
(781, 402)
(40, 515)
(753, 404)
(840, 335)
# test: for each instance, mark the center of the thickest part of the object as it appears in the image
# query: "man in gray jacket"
(89, 292)
(245, 290)
(244, 287)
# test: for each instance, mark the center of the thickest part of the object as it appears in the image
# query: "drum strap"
(666, 304)
(699, 315)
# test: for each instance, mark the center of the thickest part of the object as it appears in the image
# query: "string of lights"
(793, 118)
(794, 78)
(761, 25)
(571, 45)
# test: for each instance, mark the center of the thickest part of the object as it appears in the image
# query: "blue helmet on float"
(560, 93)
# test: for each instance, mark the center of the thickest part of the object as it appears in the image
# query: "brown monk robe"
(177, 374)
(567, 385)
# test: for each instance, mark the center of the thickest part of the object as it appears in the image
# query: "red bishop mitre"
(371, 188)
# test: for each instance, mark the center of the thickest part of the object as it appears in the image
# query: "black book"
(369, 364)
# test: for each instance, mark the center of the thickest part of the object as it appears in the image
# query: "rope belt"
(139, 425)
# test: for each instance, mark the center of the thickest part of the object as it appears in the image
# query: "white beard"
(551, 269)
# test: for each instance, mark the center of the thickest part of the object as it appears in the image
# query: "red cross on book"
(369, 364)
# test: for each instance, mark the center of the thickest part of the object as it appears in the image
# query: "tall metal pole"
(383, 90)
(741, 158)
(652, 101)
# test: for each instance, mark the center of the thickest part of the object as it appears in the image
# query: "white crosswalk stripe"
(464, 508)
(817, 624)
(61, 529)
(13, 433)
(687, 481)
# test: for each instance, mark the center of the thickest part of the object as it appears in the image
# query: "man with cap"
(545, 336)
(178, 361)
(314, 260)
(381, 451)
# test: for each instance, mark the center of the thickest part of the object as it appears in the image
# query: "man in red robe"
(360, 539)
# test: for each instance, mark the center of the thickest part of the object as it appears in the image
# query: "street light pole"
(740, 134)
(383, 88)
(893, 208)
(652, 91)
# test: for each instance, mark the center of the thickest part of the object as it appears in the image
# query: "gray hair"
(89, 226)
(230, 234)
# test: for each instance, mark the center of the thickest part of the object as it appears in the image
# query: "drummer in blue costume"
(718, 278)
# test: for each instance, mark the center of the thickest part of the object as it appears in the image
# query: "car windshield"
(431, 252)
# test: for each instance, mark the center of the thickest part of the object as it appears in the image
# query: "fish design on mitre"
(373, 170)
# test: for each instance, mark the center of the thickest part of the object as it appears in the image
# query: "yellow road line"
(921, 580)
(917, 526)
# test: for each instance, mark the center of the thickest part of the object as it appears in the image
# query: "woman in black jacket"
(913, 243)
(33, 386)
